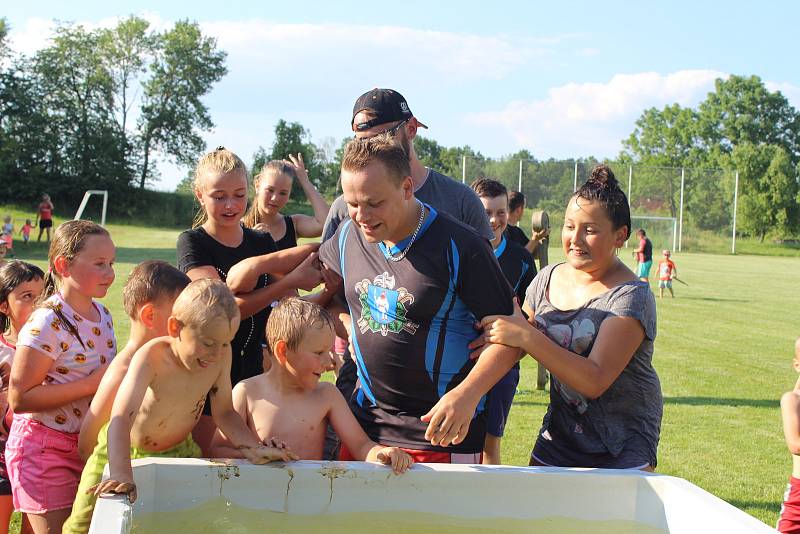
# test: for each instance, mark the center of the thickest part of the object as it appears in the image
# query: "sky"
(561, 79)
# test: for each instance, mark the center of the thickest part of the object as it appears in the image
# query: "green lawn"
(723, 353)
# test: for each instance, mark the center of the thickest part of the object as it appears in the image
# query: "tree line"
(95, 109)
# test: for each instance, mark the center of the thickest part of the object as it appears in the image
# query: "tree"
(742, 110)
(769, 199)
(185, 67)
(77, 92)
(125, 51)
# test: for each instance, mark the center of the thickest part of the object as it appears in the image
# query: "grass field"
(723, 353)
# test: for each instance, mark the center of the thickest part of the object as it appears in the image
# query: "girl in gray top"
(592, 324)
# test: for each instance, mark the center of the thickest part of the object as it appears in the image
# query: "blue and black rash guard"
(412, 321)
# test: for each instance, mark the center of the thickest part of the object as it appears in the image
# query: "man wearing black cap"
(386, 111)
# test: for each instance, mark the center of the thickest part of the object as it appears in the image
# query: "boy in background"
(519, 270)
(644, 256)
(789, 520)
(163, 393)
(666, 272)
(289, 404)
(148, 297)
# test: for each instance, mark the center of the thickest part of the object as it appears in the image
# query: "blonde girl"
(273, 187)
(21, 285)
(62, 353)
(216, 243)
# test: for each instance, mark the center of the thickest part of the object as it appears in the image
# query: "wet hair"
(204, 301)
(488, 188)
(151, 281)
(12, 274)
(220, 161)
(69, 240)
(602, 187)
(360, 153)
(271, 168)
(291, 319)
(515, 200)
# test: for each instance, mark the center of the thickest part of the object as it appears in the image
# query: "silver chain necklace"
(413, 236)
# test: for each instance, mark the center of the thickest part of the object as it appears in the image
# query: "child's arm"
(100, 408)
(26, 393)
(233, 426)
(354, 438)
(243, 276)
(126, 405)
(790, 412)
(221, 447)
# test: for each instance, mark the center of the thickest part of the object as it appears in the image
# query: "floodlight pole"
(630, 181)
(463, 169)
(519, 187)
(735, 202)
(680, 219)
(575, 178)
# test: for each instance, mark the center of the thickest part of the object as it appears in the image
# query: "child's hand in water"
(113, 486)
(273, 450)
(399, 459)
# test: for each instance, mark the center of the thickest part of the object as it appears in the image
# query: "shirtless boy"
(163, 393)
(148, 297)
(289, 404)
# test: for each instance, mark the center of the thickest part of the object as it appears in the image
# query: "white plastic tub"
(464, 491)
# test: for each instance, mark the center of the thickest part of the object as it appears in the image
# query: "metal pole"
(519, 187)
(630, 181)
(105, 206)
(735, 202)
(463, 169)
(680, 217)
(575, 180)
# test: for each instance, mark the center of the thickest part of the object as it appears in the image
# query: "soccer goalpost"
(662, 231)
(85, 200)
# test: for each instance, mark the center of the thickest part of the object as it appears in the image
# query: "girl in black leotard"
(273, 187)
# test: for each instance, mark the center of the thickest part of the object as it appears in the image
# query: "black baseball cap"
(388, 106)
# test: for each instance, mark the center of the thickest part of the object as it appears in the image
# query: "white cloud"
(579, 119)
(589, 52)
(790, 91)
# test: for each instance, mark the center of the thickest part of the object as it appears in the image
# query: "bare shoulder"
(329, 392)
(252, 385)
(790, 400)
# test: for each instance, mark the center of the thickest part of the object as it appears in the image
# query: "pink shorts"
(44, 466)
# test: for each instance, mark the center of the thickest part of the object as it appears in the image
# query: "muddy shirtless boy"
(289, 405)
(163, 393)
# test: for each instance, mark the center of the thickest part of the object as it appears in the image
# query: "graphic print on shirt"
(383, 308)
(576, 337)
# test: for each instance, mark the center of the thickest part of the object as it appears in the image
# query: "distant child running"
(789, 521)
(666, 272)
(290, 404)
(62, 352)
(21, 284)
(148, 297)
(519, 270)
(162, 395)
(25, 231)
(644, 256)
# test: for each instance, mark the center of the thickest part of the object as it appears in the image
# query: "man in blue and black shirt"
(415, 281)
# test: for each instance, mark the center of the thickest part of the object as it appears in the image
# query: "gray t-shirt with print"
(619, 429)
(439, 191)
